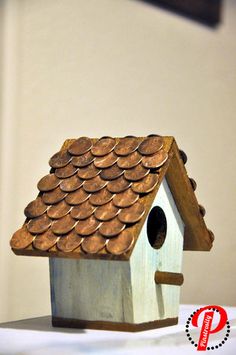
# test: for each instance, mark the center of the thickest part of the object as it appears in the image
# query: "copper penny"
(63, 225)
(87, 226)
(212, 236)
(69, 242)
(80, 146)
(136, 173)
(103, 146)
(151, 145)
(66, 171)
(101, 197)
(77, 197)
(132, 214)
(88, 172)
(93, 244)
(120, 244)
(147, 184)
(129, 161)
(183, 156)
(126, 146)
(125, 199)
(106, 212)
(95, 184)
(53, 196)
(39, 224)
(193, 183)
(60, 159)
(111, 228)
(82, 211)
(118, 185)
(45, 241)
(71, 184)
(21, 239)
(48, 182)
(35, 208)
(202, 210)
(106, 161)
(58, 210)
(156, 160)
(111, 173)
(83, 160)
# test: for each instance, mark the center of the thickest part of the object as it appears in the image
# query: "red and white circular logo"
(212, 323)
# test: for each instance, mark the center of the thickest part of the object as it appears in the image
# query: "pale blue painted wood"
(121, 291)
(151, 301)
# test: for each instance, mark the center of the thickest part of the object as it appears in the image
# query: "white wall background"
(73, 68)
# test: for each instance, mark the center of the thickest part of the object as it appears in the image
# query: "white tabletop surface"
(37, 336)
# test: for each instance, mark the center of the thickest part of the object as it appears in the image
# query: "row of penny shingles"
(193, 183)
(94, 191)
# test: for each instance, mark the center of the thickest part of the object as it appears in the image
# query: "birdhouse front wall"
(151, 301)
(122, 291)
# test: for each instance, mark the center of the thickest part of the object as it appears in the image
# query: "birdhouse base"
(116, 326)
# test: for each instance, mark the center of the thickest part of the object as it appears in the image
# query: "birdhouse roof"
(97, 196)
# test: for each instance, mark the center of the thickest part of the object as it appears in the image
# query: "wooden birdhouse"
(114, 216)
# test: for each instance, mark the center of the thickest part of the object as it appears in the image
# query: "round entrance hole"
(156, 227)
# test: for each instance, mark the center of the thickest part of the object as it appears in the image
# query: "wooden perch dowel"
(169, 278)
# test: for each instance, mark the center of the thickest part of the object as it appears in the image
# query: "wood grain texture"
(159, 301)
(110, 291)
(169, 278)
(116, 326)
(196, 235)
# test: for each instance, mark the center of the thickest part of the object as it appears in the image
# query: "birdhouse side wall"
(91, 290)
(151, 301)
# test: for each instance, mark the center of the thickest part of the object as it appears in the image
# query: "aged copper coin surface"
(39, 224)
(80, 146)
(202, 210)
(48, 182)
(82, 211)
(129, 161)
(118, 185)
(21, 239)
(58, 210)
(69, 242)
(111, 173)
(151, 145)
(71, 184)
(125, 199)
(103, 146)
(88, 172)
(95, 184)
(132, 214)
(45, 241)
(66, 171)
(183, 156)
(106, 212)
(83, 160)
(77, 197)
(156, 160)
(93, 244)
(87, 226)
(193, 183)
(63, 225)
(111, 228)
(120, 244)
(35, 208)
(136, 173)
(53, 196)
(147, 184)
(101, 197)
(106, 161)
(60, 159)
(126, 145)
